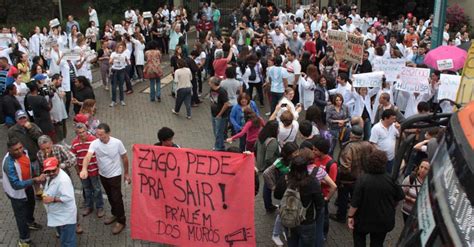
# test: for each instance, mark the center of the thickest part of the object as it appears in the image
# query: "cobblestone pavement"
(138, 122)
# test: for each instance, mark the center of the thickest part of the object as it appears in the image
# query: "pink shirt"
(250, 130)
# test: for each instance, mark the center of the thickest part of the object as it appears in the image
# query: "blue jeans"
(277, 227)
(319, 234)
(218, 126)
(216, 28)
(67, 235)
(23, 209)
(183, 95)
(118, 78)
(267, 197)
(155, 89)
(275, 99)
(302, 235)
(92, 192)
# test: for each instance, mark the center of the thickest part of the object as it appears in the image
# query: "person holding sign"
(119, 62)
(110, 154)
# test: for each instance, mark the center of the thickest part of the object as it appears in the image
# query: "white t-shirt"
(293, 68)
(119, 60)
(64, 212)
(287, 135)
(109, 156)
(385, 139)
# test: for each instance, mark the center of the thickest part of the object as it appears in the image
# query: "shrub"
(456, 17)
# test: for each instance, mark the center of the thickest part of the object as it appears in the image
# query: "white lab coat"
(413, 101)
(306, 91)
(138, 52)
(35, 45)
(361, 102)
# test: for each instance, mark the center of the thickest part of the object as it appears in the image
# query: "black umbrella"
(465, 45)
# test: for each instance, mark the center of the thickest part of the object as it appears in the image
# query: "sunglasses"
(50, 171)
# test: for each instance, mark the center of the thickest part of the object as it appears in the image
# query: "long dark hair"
(269, 130)
(298, 176)
(287, 152)
(250, 115)
(84, 81)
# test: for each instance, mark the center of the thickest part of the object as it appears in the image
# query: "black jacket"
(320, 97)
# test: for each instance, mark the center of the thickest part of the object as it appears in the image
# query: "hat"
(81, 118)
(50, 164)
(357, 130)
(19, 114)
(39, 77)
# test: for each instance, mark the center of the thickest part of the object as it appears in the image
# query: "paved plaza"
(138, 122)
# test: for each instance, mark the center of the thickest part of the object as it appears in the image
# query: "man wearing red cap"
(59, 201)
(17, 184)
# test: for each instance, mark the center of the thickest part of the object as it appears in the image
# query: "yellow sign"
(466, 88)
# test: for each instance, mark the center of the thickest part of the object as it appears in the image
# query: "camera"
(46, 90)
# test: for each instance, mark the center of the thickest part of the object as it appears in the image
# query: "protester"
(373, 213)
(384, 135)
(165, 138)
(17, 176)
(91, 185)
(219, 110)
(411, 186)
(183, 77)
(111, 155)
(59, 201)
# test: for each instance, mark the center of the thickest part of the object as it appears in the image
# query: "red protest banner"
(189, 197)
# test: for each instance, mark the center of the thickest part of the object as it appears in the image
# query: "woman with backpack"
(272, 175)
(301, 199)
(255, 77)
(266, 152)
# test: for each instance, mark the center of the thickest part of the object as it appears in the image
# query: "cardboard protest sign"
(372, 79)
(337, 39)
(391, 67)
(448, 89)
(188, 197)
(414, 80)
(147, 14)
(355, 48)
(54, 22)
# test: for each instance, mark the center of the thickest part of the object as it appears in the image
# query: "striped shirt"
(80, 149)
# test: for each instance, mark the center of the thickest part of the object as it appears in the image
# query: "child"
(253, 125)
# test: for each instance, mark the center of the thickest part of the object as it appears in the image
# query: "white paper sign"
(448, 89)
(5, 36)
(373, 79)
(445, 64)
(414, 80)
(391, 67)
(147, 14)
(54, 22)
(72, 55)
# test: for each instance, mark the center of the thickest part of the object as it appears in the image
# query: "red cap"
(81, 118)
(50, 164)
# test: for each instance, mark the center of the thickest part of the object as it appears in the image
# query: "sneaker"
(79, 229)
(100, 212)
(199, 95)
(336, 218)
(34, 226)
(112, 104)
(188, 117)
(106, 88)
(117, 228)
(272, 209)
(110, 220)
(25, 243)
(123, 103)
(175, 113)
(86, 212)
(268, 114)
(277, 241)
(159, 99)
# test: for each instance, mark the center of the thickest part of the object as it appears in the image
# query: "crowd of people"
(346, 142)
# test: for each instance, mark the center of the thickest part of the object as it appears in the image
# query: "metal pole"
(60, 11)
(438, 23)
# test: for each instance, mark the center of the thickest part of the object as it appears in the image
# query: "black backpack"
(253, 73)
